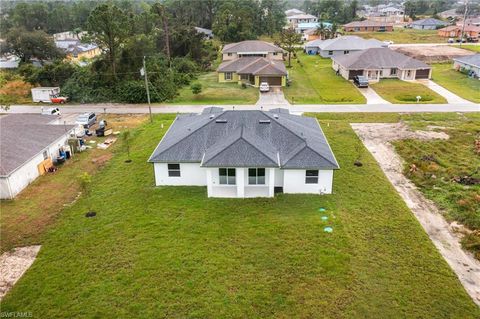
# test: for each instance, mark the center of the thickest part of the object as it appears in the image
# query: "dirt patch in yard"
(446, 237)
(434, 53)
(14, 264)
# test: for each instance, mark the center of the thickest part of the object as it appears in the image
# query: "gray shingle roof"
(349, 42)
(238, 138)
(470, 59)
(22, 136)
(378, 58)
(251, 46)
(254, 65)
(367, 23)
(429, 21)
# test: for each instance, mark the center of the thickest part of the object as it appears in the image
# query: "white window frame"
(311, 179)
(228, 76)
(228, 176)
(393, 71)
(45, 155)
(257, 180)
(172, 172)
(330, 52)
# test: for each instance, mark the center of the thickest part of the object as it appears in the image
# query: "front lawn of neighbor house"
(457, 82)
(402, 92)
(154, 252)
(315, 82)
(403, 36)
(214, 92)
(471, 47)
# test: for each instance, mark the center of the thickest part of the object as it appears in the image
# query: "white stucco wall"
(295, 182)
(191, 174)
(28, 172)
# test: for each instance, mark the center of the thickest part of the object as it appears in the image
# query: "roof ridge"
(246, 66)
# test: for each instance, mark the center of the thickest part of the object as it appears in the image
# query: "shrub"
(244, 85)
(196, 88)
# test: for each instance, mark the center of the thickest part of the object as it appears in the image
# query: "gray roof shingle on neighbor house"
(348, 42)
(23, 136)
(250, 46)
(429, 21)
(253, 65)
(378, 58)
(246, 138)
(473, 60)
(367, 23)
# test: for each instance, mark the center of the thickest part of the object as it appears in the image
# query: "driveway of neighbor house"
(372, 96)
(273, 98)
(449, 96)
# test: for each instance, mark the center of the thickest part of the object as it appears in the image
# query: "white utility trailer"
(44, 94)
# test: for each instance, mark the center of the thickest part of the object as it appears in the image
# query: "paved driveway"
(372, 96)
(273, 98)
(449, 96)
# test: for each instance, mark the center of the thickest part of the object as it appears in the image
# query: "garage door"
(271, 80)
(422, 74)
(353, 73)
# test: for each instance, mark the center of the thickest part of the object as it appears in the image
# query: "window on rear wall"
(228, 75)
(227, 176)
(256, 176)
(311, 177)
(174, 170)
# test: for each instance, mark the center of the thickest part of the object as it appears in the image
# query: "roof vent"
(221, 121)
(275, 116)
(212, 116)
(264, 121)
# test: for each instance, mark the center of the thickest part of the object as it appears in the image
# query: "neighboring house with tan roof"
(380, 63)
(455, 31)
(368, 26)
(252, 62)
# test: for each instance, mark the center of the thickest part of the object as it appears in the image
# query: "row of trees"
(335, 11)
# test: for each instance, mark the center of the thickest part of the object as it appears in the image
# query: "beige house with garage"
(380, 63)
(252, 62)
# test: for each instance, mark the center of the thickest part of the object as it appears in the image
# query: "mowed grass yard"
(398, 91)
(400, 35)
(315, 82)
(471, 47)
(214, 92)
(456, 82)
(171, 252)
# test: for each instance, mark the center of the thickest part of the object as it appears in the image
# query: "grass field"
(439, 163)
(13, 90)
(456, 82)
(404, 36)
(216, 93)
(398, 91)
(172, 252)
(314, 81)
(471, 47)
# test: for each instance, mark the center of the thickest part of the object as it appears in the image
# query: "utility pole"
(464, 21)
(146, 87)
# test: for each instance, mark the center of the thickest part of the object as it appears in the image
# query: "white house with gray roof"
(341, 46)
(245, 154)
(471, 63)
(27, 141)
(379, 63)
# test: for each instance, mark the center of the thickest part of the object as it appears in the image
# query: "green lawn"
(398, 91)
(315, 82)
(216, 93)
(404, 36)
(440, 162)
(155, 252)
(471, 47)
(456, 82)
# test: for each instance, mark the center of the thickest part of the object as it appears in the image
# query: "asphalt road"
(297, 108)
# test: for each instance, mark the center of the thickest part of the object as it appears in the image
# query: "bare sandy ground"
(13, 265)
(433, 53)
(376, 137)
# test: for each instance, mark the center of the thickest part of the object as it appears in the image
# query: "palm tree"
(321, 31)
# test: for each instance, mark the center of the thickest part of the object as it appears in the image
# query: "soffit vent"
(221, 121)
(264, 121)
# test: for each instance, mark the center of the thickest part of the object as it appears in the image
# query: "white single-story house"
(379, 63)
(245, 154)
(468, 62)
(341, 46)
(428, 24)
(28, 144)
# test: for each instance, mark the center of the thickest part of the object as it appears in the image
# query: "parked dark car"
(360, 81)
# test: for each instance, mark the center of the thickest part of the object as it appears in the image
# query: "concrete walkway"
(372, 96)
(451, 98)
(339, 108)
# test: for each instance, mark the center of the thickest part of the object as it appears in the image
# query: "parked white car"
(388, 42)
(51, 111)
(86, 119)
(264, 87)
